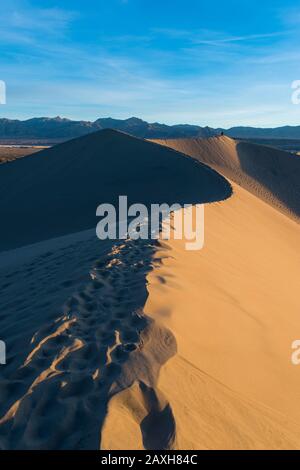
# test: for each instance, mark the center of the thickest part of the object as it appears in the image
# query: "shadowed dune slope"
(271, 174)
(57, 191)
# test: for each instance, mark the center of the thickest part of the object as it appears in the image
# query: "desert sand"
(142, 344)
(9, 153)
(271, 174)
(56, 192)
(234, 312)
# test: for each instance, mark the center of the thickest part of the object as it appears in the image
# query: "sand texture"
(138, 344)
(271, 174)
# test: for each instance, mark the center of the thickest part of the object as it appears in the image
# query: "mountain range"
(59, 129)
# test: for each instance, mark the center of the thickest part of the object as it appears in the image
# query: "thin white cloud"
(290, 16)
(280, 57)
(45, 19)
(19, 19)
(185, 82)
(233, 39)
(214, 38)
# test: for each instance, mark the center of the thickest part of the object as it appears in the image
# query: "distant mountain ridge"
(59, 129)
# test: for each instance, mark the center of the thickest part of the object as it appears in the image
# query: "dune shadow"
(57, 191)
(159, 426)
(275, 170)
(103, 343)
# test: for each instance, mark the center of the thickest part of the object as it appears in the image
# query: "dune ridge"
(56, 191)
(144, 345)
(271, 174)
(73, 314)
(233, 310)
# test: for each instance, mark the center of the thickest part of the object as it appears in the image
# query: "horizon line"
(148, 122)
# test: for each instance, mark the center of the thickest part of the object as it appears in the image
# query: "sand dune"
(234, 312)
(73, 315)
(271, 174)
(57, 191)
(142, 344)
(76, 336)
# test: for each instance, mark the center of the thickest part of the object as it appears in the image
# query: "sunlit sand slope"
(233, 309)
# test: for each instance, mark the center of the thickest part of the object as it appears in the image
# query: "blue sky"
(216, 63)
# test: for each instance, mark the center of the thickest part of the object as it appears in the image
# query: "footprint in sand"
(98, 347)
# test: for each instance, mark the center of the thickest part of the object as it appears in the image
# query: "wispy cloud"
(279, 57)
(48, 20)
(199, 75)
(214, 38)
(290, 16)
(233, 39)
(20, 21)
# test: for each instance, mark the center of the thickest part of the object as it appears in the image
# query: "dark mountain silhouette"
(59, 129)
(285, 132)
(63, 129)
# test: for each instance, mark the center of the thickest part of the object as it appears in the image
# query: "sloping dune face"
(58, 190)
(233, 308)
(270, 174)
(141, 344)
(72, 307)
